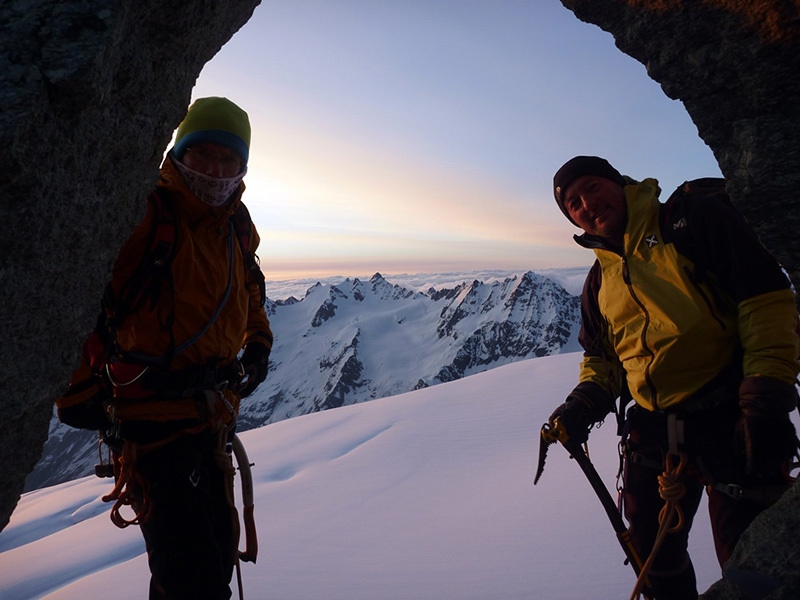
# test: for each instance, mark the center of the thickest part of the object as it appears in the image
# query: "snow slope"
(425, 495)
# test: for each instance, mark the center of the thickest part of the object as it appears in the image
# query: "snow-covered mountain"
(358, 340)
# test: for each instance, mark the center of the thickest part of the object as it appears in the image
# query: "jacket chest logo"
(651, 240)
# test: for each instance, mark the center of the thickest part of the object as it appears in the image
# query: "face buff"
(211, 190)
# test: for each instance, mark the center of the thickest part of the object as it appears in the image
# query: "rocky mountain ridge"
(359, 340)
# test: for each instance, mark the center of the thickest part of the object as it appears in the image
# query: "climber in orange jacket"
(182, 338)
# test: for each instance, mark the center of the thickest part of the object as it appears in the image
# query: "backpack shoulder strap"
(676, 221)
(675, 217)
(146, 282)
(677, 224)
(243, 225)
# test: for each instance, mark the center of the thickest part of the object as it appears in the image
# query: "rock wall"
(764, 565)
(735, 65)
(91, 91)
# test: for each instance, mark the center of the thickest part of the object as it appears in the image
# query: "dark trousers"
(709, 437)
(192, 533)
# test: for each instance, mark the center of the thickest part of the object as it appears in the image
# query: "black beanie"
(578, 167)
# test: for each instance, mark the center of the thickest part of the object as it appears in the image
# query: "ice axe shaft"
(250, 552)
(558, 433)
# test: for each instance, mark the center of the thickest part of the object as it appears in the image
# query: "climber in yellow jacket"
(687, 314)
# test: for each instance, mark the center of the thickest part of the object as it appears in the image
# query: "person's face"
(597, 205)
(212, 160)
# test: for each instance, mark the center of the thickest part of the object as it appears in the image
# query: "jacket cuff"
(766, 396)
(597, 400)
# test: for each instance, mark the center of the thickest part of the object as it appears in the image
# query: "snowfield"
(424, 495)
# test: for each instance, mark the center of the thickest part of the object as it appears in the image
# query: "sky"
(421, 496)
(422, 136)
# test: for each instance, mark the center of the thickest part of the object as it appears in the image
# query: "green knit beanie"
(214, 120)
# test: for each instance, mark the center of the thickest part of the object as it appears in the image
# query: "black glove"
(84, 403)
(88, 414)
(765, 436)
(767, 445)
(255, 362)
(585, 406)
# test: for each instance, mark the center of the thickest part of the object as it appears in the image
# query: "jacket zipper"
(627, 279)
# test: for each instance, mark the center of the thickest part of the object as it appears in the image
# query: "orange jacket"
(186, 301)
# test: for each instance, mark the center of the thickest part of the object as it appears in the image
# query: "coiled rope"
(671, 489)
(131, 488)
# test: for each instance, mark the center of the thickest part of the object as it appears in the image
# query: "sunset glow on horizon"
(423, 136)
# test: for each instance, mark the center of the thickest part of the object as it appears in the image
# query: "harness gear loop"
(676, 438)
(119, 384)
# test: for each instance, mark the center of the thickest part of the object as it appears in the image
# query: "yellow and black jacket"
(692, 294)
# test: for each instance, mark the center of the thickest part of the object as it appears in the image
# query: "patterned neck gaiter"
(211, 190)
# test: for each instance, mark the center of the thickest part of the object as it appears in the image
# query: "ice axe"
(557, 432)
(251, 549)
